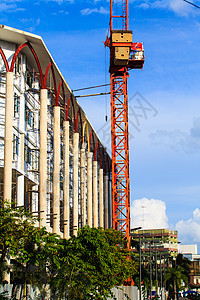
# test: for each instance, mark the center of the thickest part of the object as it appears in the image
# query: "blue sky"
(165, 143)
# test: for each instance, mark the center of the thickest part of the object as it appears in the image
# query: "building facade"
(51, 160)
(191, 253)
(164, 240)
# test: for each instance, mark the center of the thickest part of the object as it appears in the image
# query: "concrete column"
(8, 146)
(66, 181)
(56, 171)
(105, 201)
(75, 182)
(95, 195)
(83, 200)
(110, 217)
(89, 188)
(20, 179)
(101, 214)
(43, 158)
(20, 190)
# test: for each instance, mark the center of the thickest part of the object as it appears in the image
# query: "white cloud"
(89, 11)
(60, 1)
(179, 141)
(149, 214)
(10, 6)
(189, 230)
(177, 6)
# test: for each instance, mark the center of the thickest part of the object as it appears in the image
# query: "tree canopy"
(84, 267)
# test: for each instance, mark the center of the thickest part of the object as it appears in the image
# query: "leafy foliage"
(84, 267)
(91, 264)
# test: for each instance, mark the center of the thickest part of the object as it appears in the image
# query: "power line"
(99, 94)
(192, 4)
(91, 87)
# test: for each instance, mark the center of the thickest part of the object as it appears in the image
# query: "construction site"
(52, 161)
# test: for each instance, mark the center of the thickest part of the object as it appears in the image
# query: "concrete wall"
(122, 292)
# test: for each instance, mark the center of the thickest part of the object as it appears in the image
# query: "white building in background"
(51, 160)
(189, 251)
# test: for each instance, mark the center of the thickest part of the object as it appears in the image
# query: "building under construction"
(51, 160)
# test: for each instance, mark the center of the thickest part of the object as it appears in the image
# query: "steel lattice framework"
(120, 153)
(124, 55)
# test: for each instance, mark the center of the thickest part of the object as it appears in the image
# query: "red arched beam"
(64, 100)
(46, 74)
(34, 54)
(37, 61)
(97, 147)
(100, 157)
(50, 65)
(54, 80)
(67, 108)
(4, 59)
(95, 151)
(57, 94)
(76, 123)
(92, 137)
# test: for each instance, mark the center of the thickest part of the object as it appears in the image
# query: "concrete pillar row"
(20, 179)
(110, 210)
(8, 146)
(75, 182)
(56, 171)
(95, 194)
(66, 233)
(83, 198)
(105, 201)
(43, 158)
(101, 206)
(89, 189)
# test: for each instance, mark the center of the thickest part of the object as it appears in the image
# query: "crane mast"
(124, 55)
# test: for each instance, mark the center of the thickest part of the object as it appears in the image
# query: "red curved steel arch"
(4, 59)
(100, 157)
(54, 80)
(35, 56)
(92, 136)
(95, 150)
(58, 93)
(46, 74)
(64, 100)
(76, 124)
(67, 108)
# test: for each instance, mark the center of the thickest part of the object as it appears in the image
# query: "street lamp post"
(150, 266)
(161, 275)
(140, 262)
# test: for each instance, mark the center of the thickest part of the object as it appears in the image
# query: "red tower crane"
(124, 55)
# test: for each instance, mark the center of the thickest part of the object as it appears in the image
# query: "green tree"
(26, 244)
(12, 223)
(90, 265)
(175, 276)
(84, 267)
(184, 263)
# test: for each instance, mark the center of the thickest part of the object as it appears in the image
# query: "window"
(16, 104)
(27, 154)
(29, 117)
(28, 78)
(18, 63)
(15, 145)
